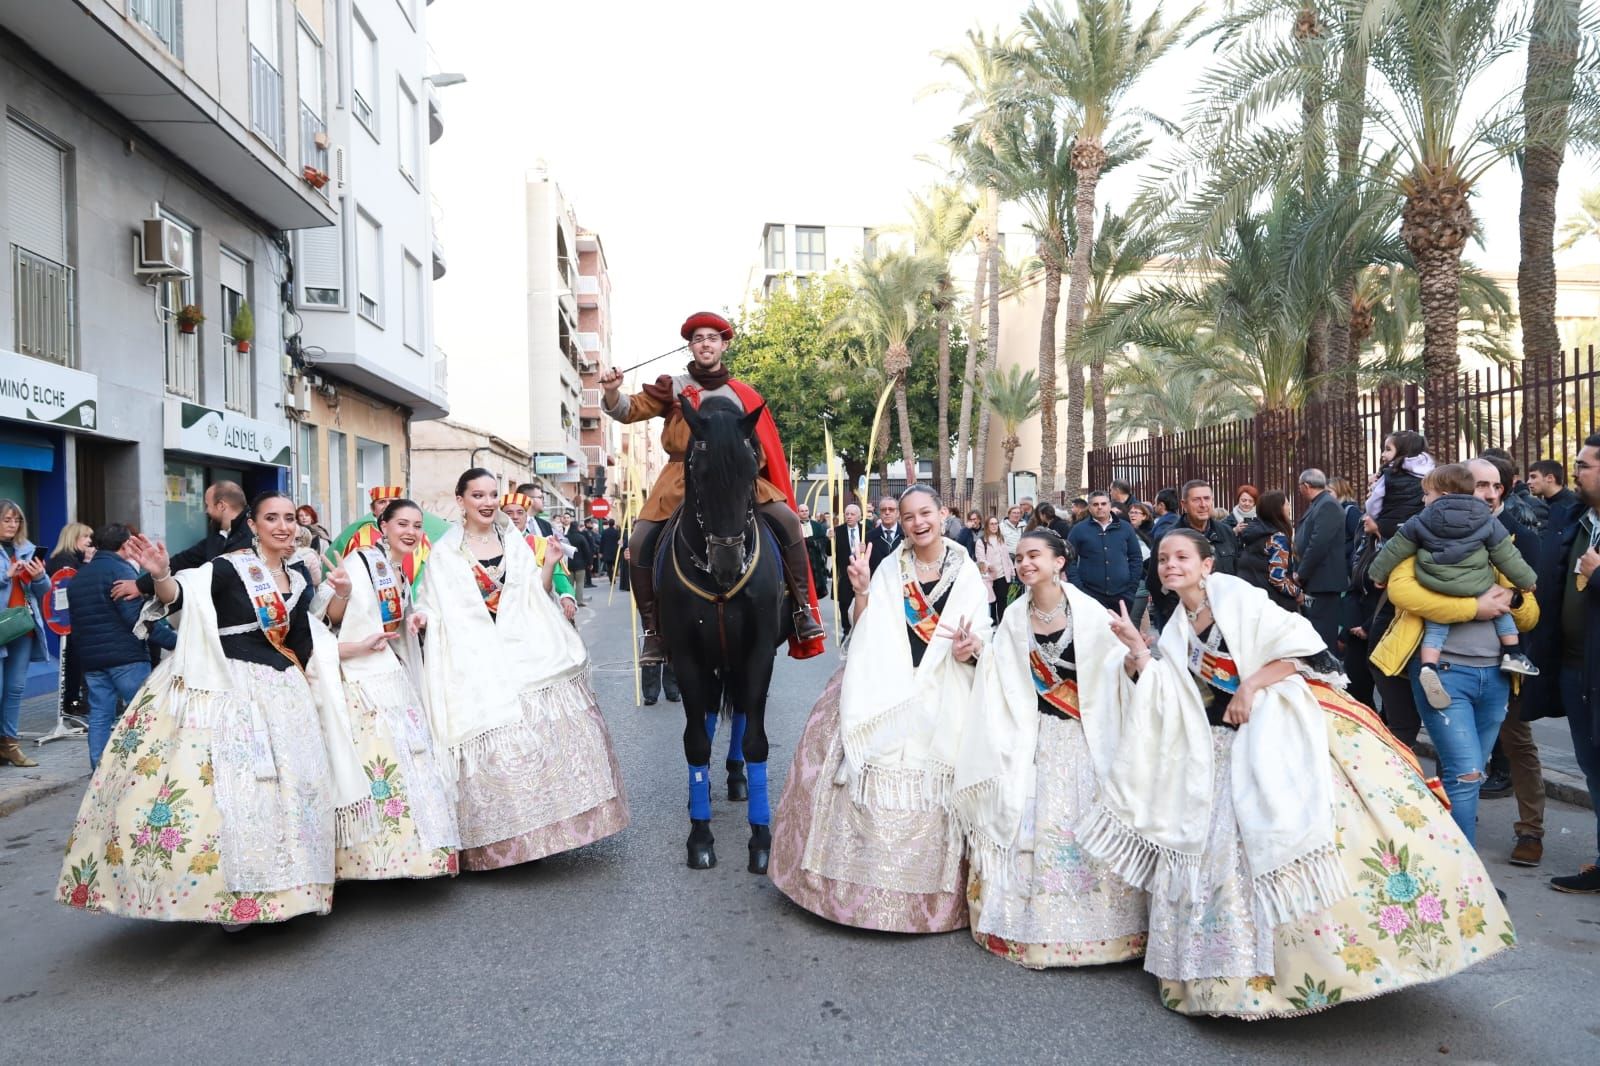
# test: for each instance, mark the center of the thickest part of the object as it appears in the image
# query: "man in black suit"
(1322, 569)
(536, 512)
(885, 535)
(609, 539)
(847, 540)
(225, 506)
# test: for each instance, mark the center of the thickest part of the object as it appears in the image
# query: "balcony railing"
(183, 362)
(266, 100)
(312, 127)
(163, 18)
(237, 371)
(46, 307)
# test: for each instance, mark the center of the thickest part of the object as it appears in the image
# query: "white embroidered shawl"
(995, 783)
(1155, 802)
(478, 669)
(198, 660)
(901, 726)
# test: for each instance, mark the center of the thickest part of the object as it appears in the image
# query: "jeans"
(13, 683)
(1434, 634)
(1580, 720)
(1464, 732)
(109, 691)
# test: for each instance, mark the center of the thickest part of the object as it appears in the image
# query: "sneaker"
(1515, 662)
(1528, 852)
(1586, 881)
(1496, 786)
(1433, 688)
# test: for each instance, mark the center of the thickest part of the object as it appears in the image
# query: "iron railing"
(266, 99)
(183, 362)
(45, 306)
(163, 18)
(1532, 415)
(237, 371)
(312, 155)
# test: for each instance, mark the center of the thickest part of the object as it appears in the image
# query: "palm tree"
(1031, 163)
(1013, 396)
(942, 224)
(1089, 64)
(884, 310)
(1150, 397)
(988, 84)
(1584, 224)
(1119, 253)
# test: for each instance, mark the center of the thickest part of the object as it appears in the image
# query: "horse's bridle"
(747, 541)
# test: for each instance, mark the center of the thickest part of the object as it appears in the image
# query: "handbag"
(15, 622)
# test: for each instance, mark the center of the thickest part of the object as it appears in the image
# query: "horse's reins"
(747, 566)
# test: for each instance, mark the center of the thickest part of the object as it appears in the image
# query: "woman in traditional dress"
(863, 834)
(381, 659)
(506, 684)
(1296, 857)
(231, 778)
(1036, 729)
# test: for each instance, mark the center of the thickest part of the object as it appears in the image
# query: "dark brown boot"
(796, 572)
(643, 580)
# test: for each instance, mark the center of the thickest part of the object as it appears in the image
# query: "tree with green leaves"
(1013, 396)
(1584, 223)
(1120, 252)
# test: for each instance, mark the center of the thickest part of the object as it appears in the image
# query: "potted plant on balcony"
(244, 328)
(189, 318)
(314, 177)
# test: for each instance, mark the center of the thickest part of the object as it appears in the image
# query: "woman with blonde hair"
(74, 548)
(23, 584)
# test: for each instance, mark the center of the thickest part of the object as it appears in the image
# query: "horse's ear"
(747, 424)
(691, 415)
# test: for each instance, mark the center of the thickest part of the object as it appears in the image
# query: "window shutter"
(367, 266)
(36, 202)
(321, 259)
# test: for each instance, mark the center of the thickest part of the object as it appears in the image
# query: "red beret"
(706, 320)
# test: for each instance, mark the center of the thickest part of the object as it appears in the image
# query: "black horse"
(719, 583)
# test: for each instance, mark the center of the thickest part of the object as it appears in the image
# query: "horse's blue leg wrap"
(760, 809)
(700, 793)
(736, 741)
(711, 726)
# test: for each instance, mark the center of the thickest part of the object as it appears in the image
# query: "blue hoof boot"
(760, 848)
(702, 850)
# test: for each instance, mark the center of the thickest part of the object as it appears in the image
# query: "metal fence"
(266, 100)
(45, 308)
(163, 18)
(1532, 417)
(237, 374)
(311, 154)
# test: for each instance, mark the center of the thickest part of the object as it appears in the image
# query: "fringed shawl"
(1155, 801)
(901, 725)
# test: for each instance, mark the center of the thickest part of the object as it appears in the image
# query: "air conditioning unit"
(162, 252)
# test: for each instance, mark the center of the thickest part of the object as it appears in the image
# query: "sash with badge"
(488, 583)
(386, 583)
(1060, 693)
(1211, 665)
(272, 614)
(920, 613)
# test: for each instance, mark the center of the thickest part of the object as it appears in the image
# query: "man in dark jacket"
(1547, 487)
(1122, 498)
(578, 560)
(848, 537)
(1565, 645)
(225, 505)
(609, 540)
(1107, 561)
(885, 534)
(115, 662)
(1195, 505)
(1322, 568)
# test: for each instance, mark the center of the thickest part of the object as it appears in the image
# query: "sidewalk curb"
(14, 802)
(1568, 788)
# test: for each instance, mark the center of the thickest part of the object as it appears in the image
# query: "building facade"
(441, 449)
(149, 174)
(364, 362)
(597, 434)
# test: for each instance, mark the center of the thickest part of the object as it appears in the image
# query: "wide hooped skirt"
(1422, 906)
(208, 807)
(417, 835)
(1059, 906)
(855, 864)
(555, 787)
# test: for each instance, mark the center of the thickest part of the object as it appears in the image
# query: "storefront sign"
(208, 431)
(32, 390)
(549, 464)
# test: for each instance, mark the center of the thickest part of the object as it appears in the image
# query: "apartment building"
(149, 170)
(597, 434)
(365, 365)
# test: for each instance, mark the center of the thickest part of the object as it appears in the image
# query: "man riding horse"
(708, 335)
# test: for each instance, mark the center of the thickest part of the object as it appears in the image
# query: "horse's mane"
(719, 462)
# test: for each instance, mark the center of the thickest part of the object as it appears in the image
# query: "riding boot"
(643, 580)
(796, 569)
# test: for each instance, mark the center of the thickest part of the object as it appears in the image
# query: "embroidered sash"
(1365, 717)
(1212, 667)
(489, 586)
(1062, 694)
(920, 615)
(272, 614)
(386, 584)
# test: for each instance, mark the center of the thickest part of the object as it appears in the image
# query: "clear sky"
(676, 130)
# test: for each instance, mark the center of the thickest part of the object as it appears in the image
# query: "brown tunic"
(667, 493)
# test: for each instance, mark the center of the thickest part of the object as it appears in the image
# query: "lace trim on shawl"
(895, 788)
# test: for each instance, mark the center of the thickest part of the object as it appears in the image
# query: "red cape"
(777, 472)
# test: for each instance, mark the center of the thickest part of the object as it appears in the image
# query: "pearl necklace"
(935, 567)
(1047, 617)
(1205, 605)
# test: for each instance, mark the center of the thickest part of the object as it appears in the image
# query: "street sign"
(600, 508)
(56, 613)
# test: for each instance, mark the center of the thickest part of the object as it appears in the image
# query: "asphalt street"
(618, 952)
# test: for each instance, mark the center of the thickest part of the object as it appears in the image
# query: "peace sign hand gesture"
(965, 644)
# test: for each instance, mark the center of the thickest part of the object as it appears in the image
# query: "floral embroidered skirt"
(899, 871)
(1421, 909)
(208, 806)
(1059, 907)
(417, 833)
(558, 788)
